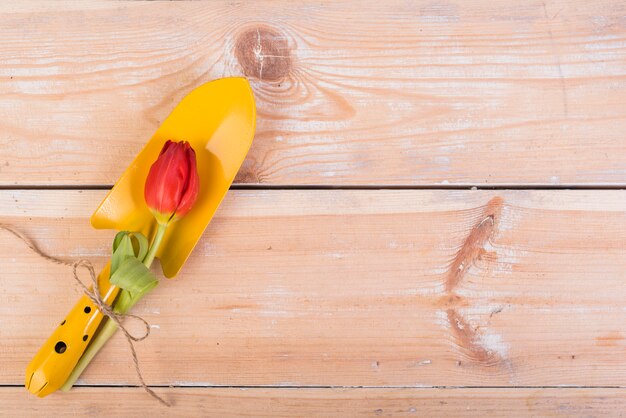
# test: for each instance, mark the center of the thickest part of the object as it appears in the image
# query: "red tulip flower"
(173, 182)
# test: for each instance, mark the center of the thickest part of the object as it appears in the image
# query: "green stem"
(124, 302)
(158, 237)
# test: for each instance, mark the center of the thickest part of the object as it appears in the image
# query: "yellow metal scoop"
(218, 120)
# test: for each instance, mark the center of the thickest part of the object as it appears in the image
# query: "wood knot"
(468, 339)
(474, 246)
(263, 53)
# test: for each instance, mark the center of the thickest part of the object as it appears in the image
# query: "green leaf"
(122, 249)
(118, 239)
(143, 244)
(124, 302)
(132, 276)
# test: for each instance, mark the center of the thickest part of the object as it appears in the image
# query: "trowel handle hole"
(60, 347)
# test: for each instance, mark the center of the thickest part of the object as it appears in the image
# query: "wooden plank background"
(288, 403)
(350, 288)
(409, 93)
(346, 297)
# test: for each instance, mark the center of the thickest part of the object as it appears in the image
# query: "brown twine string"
(94, 296)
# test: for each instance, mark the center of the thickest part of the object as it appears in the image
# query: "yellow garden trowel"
(218, 120)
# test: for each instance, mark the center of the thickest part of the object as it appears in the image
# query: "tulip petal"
(191, 189)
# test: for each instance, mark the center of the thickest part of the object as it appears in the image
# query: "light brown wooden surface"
(349, 288)
(469, 303)
(226, 402)
(409, 93)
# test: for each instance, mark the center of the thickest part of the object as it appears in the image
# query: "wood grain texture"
(233, 402)
(412, 93)
(349, 288)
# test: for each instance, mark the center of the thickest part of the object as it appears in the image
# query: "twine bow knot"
(95, 297)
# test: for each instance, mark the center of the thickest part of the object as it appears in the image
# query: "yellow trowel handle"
(56, 359)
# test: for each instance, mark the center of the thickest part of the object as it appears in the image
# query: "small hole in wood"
(85, 337)
(87, 309)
